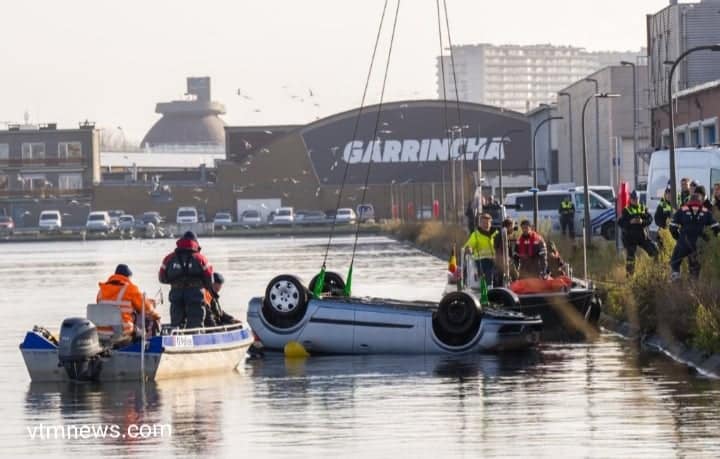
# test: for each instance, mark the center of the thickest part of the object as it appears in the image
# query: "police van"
(602, 212)
(699, 164)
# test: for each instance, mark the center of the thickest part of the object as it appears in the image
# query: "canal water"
(601, 399)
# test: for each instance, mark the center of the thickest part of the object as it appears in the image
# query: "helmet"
(634, 195)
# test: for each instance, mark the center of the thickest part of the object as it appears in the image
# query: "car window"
(594, 202)
(4, 219)
(283, 213)
(48, 217)
(607, 194)
(187, 213)
(96, 217)
(550, 202)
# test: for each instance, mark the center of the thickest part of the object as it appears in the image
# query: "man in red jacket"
(188, 272)
(531, 252)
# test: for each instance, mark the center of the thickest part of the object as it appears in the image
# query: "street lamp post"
(502, 154)
(587, 227)
(635, 121)
(673, 175)
(534, 166)
(597, 128)
(570, 133)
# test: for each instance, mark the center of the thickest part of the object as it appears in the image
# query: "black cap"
(190, 235)
(123, 270)
(525, 222)
(218, 278)
(700, 190)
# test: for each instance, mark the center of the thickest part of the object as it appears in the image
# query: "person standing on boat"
(482, 246)
(188, 272)
(688, 224)
(504, 247)
(530, 252)
(120, 290)
(664, 211)
(567, 217)
(634, 222)
(556, 265)
(214, 314)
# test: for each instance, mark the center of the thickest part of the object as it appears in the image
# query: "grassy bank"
(687, 311)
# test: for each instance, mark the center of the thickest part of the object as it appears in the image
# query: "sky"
(111, 61)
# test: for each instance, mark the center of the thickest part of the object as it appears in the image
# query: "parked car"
(345, 215)
(7, 225)
(251, 217)
(151, 217)
(284, 216)
(311, 217)
(186, 215)
(366, 213)
(222, 220)
(50, 220)
(126, 223)
(115, 217)
(99, 222)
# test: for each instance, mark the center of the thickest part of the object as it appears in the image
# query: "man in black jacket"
(634, 222)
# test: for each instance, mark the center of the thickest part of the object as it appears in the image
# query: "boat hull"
(168, 356)
(338, 325)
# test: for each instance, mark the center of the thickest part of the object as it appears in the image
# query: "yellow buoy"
(295, 350)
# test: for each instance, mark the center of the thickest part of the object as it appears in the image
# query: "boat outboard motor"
(79, 350)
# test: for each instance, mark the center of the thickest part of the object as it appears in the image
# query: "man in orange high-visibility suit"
(120, 290)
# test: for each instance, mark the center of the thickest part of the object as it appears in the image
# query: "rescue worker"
(214, 314)
(556, 265)
(634, 222)
(511, 236)
(664, 211)
(567, 217)
(688, 224)
(716, 202)
(684, 190)
(188, 272)
(530, 252)
(119, 289)
(482, 246)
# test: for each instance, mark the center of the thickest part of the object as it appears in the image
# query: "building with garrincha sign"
(405, 153)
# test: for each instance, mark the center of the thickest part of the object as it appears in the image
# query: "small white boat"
(80, 355)
(334, 324)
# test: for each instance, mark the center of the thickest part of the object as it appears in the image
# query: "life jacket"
(665, 206)
(183, 266)
(114, 292)
(526, 245)
(482, 244)
(567, 208)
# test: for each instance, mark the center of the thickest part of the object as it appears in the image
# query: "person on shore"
(530, 252)
(684, 190)
(689, 224)
(664, 211)
(471, 214)
(567, 217)
(556, 265)
(716, 202)
(634, 222)
(482, 247)
(214, 314)
(121, 291)
(188, 272)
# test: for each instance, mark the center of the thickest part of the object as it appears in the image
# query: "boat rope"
(376, 144)
(457, 103)
(354, 136)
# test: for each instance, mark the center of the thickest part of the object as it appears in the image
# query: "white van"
(519, 206)
(699, 164)
(98, 221)
(186, 215)
(50, 220)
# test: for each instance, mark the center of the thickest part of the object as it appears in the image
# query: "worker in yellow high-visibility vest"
(482, 246)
